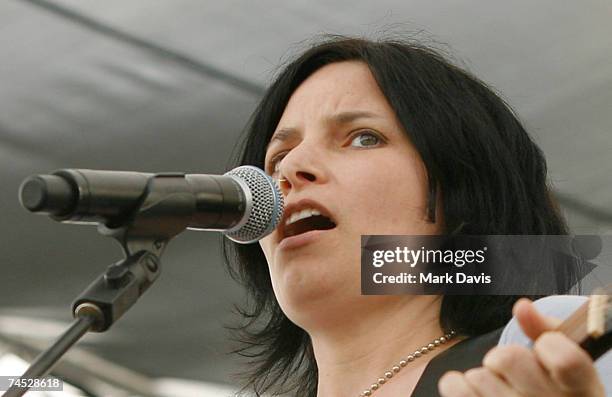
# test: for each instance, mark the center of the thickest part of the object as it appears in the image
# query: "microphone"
(244, 204)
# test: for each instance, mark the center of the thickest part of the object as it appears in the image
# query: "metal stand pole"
(47, 359)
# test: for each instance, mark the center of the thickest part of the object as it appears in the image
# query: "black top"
(464, 355)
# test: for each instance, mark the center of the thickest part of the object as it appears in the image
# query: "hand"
(556, 366)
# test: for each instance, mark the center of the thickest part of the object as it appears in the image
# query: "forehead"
(339, 87)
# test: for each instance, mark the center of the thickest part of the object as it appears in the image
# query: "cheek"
(390, 198)
(266, 246)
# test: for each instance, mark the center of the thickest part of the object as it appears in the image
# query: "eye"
(273, 166)
(366, 139)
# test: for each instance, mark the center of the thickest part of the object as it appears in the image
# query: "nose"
(301, 167)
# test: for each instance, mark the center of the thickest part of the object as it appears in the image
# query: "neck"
(353, 353)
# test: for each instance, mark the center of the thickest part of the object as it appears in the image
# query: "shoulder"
(559, 306)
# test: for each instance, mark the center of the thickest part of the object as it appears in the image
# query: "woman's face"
(344, 154)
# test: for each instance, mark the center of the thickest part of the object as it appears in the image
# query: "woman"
(389, 138)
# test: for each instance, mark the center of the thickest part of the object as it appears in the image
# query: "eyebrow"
(282, 135)
(286, 133)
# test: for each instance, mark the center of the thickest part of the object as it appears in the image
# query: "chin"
(305, 292)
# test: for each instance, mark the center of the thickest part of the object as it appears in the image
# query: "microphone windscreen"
(265, 205)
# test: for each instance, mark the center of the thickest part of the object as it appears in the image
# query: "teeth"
(305, 213)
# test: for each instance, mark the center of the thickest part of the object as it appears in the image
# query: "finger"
(568, 365)
(532, 323)
(520, 369)
(488, 383)
(454, 384)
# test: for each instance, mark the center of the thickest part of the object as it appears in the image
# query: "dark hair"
(490, 174)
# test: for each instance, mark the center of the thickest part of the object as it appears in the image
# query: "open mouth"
(312, 222)
(305, 216)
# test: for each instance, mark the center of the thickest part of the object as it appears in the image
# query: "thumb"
(533, 323)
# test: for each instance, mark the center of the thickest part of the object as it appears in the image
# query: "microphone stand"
(45, 361)
(143, 235)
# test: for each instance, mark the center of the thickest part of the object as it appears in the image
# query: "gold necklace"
(410, 358)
